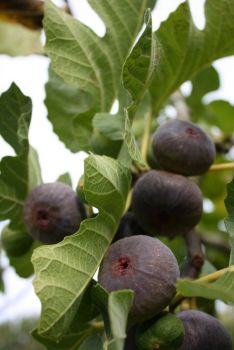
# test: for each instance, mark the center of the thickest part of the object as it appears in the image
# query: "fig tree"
(166, 204)
(203, 331)
(183, 148)
(52, 211)
(145, 265)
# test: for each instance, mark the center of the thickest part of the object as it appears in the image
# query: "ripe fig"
(165, 332)
(166, 204)
(52, 211)
(203, 331)
(145, 265)
(183, 148)
(128, 227)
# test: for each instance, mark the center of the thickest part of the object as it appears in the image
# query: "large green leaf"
(140, 66)
(93, 342)
(64, 270)
(90, 63)
(119, 305)
(12, 34)
(204, 82)
(185, 50)
(70, 341)
(21, 172)
(138, 72)
(221, 113)
(67, 107)
(221, 289)
(229, 221)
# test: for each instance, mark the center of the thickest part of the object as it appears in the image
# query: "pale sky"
(30, 74)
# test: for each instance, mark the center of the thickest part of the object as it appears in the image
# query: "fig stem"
(215, 241)
(68, 7)
(205, 279)
(146, 136)
(128, 201)
(195, 257)
(223, 166)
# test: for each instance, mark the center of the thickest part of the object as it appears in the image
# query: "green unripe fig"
(15, 243)
(164, 332)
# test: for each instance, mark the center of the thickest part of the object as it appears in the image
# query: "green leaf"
(64, 270)
(111, 126)
(34, 174)
(100, 299)
(221, 289)
(140, 66)
(90, 63)
(229, 221)
(185, 50)
(20, 173)
(70, 341)
(12, 34)
(205, 81)
(22, 264)
(15, 243)
(65, 178)
(221, 113)
(138, 72)
(119, 305)
(93, 342)
(131, 143)
(69, 111)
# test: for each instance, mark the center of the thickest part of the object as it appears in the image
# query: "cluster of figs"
(165, 202)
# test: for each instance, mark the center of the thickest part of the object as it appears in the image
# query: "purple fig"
(145, 265)
(204, 332)
(52, 211)
(183, 148)
(166, 204)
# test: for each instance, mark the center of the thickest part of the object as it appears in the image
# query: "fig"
(164, 332)
(52, 211)
(15, 243)
(183, 148)
(128, 227)
(203, 331)
(145, 265)
(166, 204)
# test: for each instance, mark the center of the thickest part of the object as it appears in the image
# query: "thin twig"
(204, 279)
(195, 257)
(223, 166)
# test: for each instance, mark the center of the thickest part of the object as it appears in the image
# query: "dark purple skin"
(145, 265)
(183, 148)
(128, 227)
(52, 211)
(166, 204)
(204, 332)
